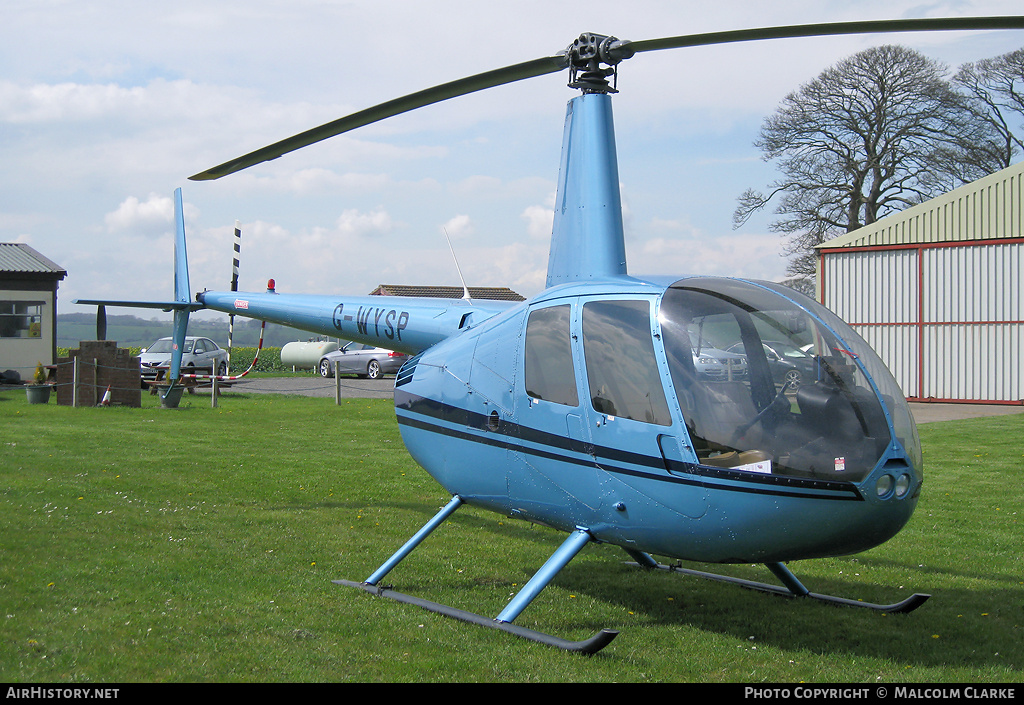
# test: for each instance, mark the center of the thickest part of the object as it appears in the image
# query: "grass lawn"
(199, 545)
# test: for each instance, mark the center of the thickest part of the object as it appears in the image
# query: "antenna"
(465, 289)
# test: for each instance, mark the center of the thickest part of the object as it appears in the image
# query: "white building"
(936, 291)
(28, 309)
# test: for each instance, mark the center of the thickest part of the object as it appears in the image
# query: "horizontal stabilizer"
(162, 305)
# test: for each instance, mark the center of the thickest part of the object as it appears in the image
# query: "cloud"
(458, 227)
(320, 180)
(539, 221)
(160, 101)
(133, 213)
(150, 217)
(690, 251)
(353, 223)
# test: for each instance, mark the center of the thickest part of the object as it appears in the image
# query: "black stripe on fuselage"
(430, 415)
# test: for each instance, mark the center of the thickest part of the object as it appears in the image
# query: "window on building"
(21, 319)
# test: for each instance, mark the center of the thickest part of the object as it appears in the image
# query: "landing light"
(887, 486)
(884, 486)
(902, 485)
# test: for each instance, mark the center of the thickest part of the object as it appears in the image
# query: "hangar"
(936, 291)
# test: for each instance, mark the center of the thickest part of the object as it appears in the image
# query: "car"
(197, 352)
(715, 364)
(789, 364)
(362, 360)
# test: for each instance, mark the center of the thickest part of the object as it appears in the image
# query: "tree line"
(878, 132)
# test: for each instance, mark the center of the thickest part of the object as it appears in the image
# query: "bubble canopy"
(769, 380)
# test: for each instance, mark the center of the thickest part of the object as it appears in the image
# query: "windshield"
(164, 346)
(804, 402)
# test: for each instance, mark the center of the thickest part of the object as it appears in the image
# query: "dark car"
(788, 363)
(362, 360)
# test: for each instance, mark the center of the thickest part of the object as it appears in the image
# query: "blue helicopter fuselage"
(621, 442)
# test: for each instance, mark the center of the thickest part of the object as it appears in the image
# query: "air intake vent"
(404, 375)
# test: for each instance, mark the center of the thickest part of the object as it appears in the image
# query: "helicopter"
(600, 406)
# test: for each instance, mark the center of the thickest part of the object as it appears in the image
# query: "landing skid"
(587, 646)
(792, 586)
(503, 622)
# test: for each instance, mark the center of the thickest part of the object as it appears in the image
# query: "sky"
(106, 107)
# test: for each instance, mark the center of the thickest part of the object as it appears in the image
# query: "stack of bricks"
(100, 363)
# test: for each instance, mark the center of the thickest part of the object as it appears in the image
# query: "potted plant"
(38, 393)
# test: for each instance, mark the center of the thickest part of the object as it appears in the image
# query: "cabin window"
(21, 319)
(621, 368)
(550, 374)
(766, 387)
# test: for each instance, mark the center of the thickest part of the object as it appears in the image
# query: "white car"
(197, 352)
(715, 364)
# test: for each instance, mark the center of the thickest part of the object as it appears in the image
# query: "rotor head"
(593, 58)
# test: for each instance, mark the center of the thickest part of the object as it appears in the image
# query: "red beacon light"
(270, 286)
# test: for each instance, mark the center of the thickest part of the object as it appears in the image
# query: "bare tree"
(997, 88)
(878, 132)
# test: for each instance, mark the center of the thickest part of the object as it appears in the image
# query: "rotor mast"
(587, 237)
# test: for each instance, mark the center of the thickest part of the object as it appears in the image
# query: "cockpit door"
(551, 461)
(631, 414)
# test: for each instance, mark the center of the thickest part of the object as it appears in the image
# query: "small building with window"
(28, 308)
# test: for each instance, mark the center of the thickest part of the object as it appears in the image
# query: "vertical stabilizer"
(181, 288)
(587, 239)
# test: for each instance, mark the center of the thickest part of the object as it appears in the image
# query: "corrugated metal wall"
(936, 291)
(876, 291)
(947, 320)
(973, 319)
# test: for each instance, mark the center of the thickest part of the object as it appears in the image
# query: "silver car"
(362, 360)
(197, 352)
(715, 364)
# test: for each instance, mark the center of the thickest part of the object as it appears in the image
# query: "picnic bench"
(189, 384)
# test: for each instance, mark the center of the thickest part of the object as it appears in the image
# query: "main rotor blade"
(619, 50)
(462, 86)
(927, 24)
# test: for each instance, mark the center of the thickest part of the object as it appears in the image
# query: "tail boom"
(402, 323)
